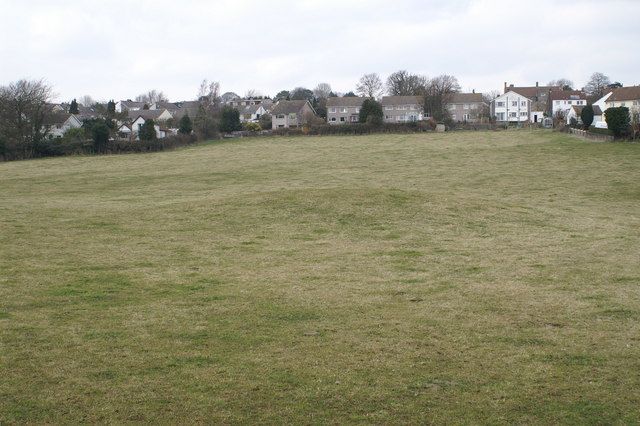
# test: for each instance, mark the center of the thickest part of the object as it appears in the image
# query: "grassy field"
(454, 278)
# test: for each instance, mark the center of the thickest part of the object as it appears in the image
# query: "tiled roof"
(288, 107)
(346, 101)
(631, 93)
(465, 98)
(402, 100)
(565, 95)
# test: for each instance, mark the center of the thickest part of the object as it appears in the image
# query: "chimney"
(473, 91)
(505, 87)
(536, 84)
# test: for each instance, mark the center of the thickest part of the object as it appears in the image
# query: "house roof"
(465, 98)
(248, 109)
(631, 93)
(402, 100)
(597, 110)
(132, 104)
(289, 107)
(565, 95)
(170, 106)
(147, 114)
(346, 101)
(56, 118)
(532, 91)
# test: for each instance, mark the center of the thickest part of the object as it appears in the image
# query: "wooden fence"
(591, 136)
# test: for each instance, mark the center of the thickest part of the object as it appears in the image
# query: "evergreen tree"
(230, 120)
(186, 127)
(371, 112)
(586, 115)
(73, 108)
(111, 108)
(148, 131)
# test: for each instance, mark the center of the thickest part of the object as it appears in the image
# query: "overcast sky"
(119, 49)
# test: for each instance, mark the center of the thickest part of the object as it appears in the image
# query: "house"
(512, 107)
(286, 114)
(189, 108)
(129, 105)
(240, 102)
(538, 95)
(402, 109)
(251, 113)
(58, 123)
(625, 97)
(467, 107)
(169, 106)
(562, 101)
(344, 110)
(574, 113)
(599, 107)
(136, 127)
(148, 114)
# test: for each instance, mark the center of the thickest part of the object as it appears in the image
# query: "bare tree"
(206, 121)
(438, 94)
(86, 101)
(402, 83)
(322, 91)
(23, 111)
(370, 86)
(252, 93)
(152, 96)
(564, 83)
(596, 85)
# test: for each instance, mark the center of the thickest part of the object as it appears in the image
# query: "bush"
(148, 131)
(618, 120)
(266, 121)
(186, 127)
(252, 127)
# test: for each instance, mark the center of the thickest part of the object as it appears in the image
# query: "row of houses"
(536, 103)
(518, 104)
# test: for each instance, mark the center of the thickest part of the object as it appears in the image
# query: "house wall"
(342, 114)
(565, 105)
(291, 120)
(59, 131)
(512, 107)
(402, 113)
(469, 112)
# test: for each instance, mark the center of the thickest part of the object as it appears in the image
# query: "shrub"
(265, 121)
(252, 127)
(148, 131)
(186, 127)
(230, 120)
(618, 120)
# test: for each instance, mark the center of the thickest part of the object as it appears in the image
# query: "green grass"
(454, 278)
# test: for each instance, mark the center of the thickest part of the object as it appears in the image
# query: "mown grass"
(456, 278)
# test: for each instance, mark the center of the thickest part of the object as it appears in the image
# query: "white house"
(129, 105)
(562, 101)
(251, 113)
(599, 107)
(57, 124)
(512, 107)
(136, 127)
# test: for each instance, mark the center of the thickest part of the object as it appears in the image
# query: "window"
(500, 104)
(523, 114)
(389, 108)
(333, 110)
(333, 119)
(523, 103)
(343, 119)
(557, 102)
(293, 116)
(357, 110)
(453, 117)
(343, 110)
(465, 106)
(474, 106)
(280, 116)
(413, 108)
(623, 104)
(513, 114)
(514, 103)
(500, 116)
(354, 119)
